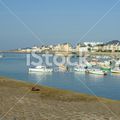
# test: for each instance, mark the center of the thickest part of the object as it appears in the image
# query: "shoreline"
(67, 54)
(31, 84)
(51, 103)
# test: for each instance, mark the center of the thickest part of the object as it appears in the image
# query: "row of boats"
(76, 69)
(93, 66)
(100, 68)
(86, 67)
(98, 71)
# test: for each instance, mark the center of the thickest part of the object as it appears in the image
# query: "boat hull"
(80, 70)
(97, 72)
(106, 69)
(39, 70)
(115, 71)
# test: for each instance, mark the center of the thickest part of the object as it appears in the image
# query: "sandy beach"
(18, 102)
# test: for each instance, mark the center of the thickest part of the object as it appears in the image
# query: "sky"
(24, 23)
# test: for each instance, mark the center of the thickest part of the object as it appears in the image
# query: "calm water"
(14, 66)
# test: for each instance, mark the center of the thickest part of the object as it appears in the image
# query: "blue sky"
(57, 21)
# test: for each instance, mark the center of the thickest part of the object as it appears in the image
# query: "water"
(14, 66)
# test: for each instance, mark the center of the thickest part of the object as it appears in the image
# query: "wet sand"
(18, 102)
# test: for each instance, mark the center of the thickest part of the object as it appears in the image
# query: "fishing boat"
(105, 68)
(1, 56)
(86, 63)
(63, 68)
(116, 70)
(117, 63)
(97, 72)
(40, 69)
(94, 62)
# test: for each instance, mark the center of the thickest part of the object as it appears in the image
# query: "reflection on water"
(105, 86)
(96, 77)
(115, 74)
(39, 76)
(90, 77)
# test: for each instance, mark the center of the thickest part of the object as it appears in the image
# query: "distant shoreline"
(61, 53)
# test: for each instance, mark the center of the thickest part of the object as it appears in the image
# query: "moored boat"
(105, 68)
(63, 68)
(97, 72)
(1, 56)
(116, 70)
(80, 69)
(40, 69)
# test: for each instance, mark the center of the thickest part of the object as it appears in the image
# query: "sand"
(18, 102)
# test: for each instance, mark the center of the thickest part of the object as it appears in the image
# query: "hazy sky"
(56, 21)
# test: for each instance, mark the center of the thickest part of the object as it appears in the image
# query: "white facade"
(92, 43)
(80, 48)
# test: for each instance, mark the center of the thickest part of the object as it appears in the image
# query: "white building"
(93, 43)
(66, 47)
(81, 48)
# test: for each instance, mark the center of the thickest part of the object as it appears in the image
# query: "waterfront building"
(82, 48)
(112, 46)
(97, 48)
(92, 43)
(36, 49)
(66, 47)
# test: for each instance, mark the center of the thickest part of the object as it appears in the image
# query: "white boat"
(1, 56)
(94, 62)
(97, 72)
(63, 68)
(117, 64)
(40, 69)
(116, 70)
(79, 69)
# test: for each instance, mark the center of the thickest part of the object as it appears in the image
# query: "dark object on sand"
(35, 89)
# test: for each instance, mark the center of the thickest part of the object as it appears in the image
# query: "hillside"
(113, 42)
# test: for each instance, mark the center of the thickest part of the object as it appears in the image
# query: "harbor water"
(14, 66)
